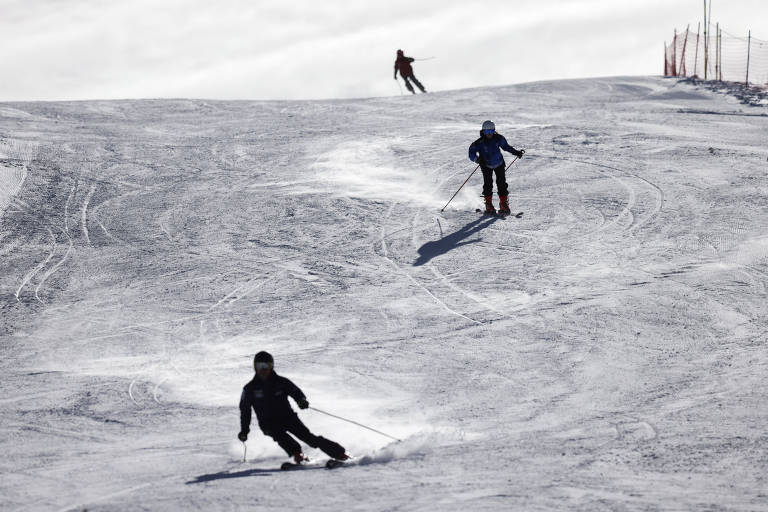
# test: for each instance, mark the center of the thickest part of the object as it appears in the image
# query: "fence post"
(717, 51)
(696, 58)
(720, 53)
(674, 55)
(706, 42)
(683, 69)
(749, 45)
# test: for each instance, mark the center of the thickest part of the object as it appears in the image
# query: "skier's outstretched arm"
(506, 147)
(297, 394)
(396, 68)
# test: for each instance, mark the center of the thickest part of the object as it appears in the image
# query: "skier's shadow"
(221, 475)
(449, 242)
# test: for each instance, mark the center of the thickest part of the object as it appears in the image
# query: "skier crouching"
(486, 152)
(267, 394)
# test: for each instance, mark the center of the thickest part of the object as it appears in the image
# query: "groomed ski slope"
(605, 352)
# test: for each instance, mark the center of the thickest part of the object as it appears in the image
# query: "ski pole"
(462, 186)
(245, 450)
(399, 86)
(355, 423)
(513, 161)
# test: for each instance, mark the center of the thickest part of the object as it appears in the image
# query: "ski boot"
(489, 209)
(503, 206)
(337, 461)
(299, 457)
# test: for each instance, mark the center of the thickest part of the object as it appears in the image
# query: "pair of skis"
(330, 464)
(501, 215)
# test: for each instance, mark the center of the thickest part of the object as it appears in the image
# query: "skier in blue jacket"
(487, 152)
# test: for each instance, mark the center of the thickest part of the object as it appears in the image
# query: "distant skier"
(267, 394)
(486, 152)
(403, 64)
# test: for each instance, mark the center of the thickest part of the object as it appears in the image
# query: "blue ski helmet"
(488, 125)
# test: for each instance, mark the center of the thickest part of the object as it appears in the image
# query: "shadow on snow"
(221, 475)
(449, 242)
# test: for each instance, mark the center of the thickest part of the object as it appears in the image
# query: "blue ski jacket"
(488, 151)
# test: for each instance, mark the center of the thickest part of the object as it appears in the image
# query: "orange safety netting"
(727, 57)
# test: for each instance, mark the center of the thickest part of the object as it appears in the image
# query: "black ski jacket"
(269, 399)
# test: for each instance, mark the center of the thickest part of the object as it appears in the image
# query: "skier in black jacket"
(267, 394)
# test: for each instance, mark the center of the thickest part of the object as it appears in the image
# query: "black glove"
(519, 153)
(302, 403)
(243, 436)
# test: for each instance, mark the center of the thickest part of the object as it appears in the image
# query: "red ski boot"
(504, 206)
(489, 209)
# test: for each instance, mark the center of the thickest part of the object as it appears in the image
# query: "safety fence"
(717, 56)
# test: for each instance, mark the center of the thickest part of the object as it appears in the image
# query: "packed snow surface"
(607, 351)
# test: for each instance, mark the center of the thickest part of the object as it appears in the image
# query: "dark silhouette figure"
(449, 242)
(267, 395)
(403, 65)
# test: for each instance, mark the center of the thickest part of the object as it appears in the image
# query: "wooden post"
(674, 55)
(717, 51)
(683, 69)
(706, 42)
(709, 22)
(720, 53)
(749, 45)
(696, 58)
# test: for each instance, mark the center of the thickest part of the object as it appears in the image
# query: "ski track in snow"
(608, 346)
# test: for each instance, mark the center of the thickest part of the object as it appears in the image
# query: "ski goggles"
(262, 366)
(489, 132)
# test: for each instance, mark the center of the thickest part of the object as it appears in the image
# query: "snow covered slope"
(605, 352)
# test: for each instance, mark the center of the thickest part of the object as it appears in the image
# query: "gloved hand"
(303, 404)
(395, 77)
(243, 436)
(519, 153)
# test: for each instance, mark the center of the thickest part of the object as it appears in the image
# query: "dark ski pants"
(280, 433)
(410, 87)
(501, 180)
